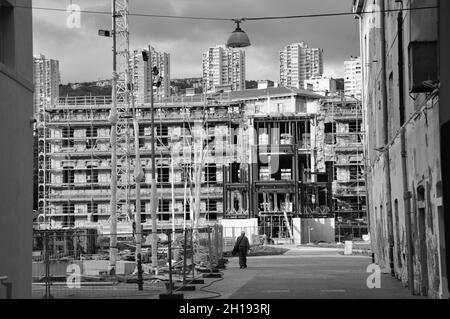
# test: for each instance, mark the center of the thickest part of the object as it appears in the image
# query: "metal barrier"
(192, 254)
(74, 263)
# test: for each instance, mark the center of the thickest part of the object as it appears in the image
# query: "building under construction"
(75, 162)
(252, 154)
(340, 140)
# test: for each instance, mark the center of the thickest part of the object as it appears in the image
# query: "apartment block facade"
(353, 77)
(46, 79)
(142, 71)
(223, 69)
(299, 63)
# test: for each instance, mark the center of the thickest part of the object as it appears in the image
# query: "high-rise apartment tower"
(298, 63)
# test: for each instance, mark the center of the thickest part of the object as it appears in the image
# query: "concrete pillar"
(275, 201)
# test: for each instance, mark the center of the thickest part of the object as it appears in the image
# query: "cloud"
(85, 56)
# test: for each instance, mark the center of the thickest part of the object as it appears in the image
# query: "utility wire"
(319, 15)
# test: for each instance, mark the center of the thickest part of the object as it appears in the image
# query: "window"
(91, 134)
(91, 174)
(163, 205)
(187, 209)
(69, 218)
(210, 173)
(67, 134)
(330, 169)
(330, 129)
(163, 174)
(68, 175)
(211, 206)
(186, 173)
(353, 172)
(6, 34)
(92, 208)
(235, 172)
(354, 126)
(422, 65)
(143, 217)
(162, 133)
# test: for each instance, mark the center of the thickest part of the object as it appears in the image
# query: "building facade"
(340, 138)
(264, 84)
(241, 131)
(353, 77)
(142, 72)
(299, 63)
(321, 85)
(47, 79)
(402, 109)
(16, 143)
(223, 68)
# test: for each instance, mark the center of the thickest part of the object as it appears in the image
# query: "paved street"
(303, 273)
(116, 291)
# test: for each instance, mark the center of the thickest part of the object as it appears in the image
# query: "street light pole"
(153, 197)
(113, 121)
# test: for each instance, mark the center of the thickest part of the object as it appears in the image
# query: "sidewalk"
(301, 273)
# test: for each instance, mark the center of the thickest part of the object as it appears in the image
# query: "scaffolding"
(75, 172)
(343, 151)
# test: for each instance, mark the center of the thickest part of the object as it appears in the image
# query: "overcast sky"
(85, 56)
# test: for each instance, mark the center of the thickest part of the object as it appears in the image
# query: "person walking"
(242, 247)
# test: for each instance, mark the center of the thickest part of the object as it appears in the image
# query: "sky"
(84, 56)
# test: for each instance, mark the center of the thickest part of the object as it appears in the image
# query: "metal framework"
(120, 116)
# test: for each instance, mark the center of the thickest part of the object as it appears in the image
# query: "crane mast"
(123, 123)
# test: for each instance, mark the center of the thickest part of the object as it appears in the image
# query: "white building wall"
(298, 63)
(353, 77)
(223, 67)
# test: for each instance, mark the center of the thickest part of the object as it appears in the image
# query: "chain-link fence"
(76, 263)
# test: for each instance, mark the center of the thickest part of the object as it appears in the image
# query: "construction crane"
(121, 117)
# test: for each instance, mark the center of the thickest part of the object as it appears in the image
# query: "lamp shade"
(238, 39)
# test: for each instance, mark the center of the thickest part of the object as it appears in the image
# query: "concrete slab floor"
(302, 273)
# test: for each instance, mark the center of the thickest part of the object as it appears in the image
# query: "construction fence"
(75, 263)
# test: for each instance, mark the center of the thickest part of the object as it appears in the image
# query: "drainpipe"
(387, 168)
(364, 121)
(406, 193)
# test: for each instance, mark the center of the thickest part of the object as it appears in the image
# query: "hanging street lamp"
(238, 39)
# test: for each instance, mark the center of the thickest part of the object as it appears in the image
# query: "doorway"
(423, 252)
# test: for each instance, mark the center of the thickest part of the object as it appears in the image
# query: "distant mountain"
(179, 86)
(97, 88)
(103, 87)
(251, 84)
